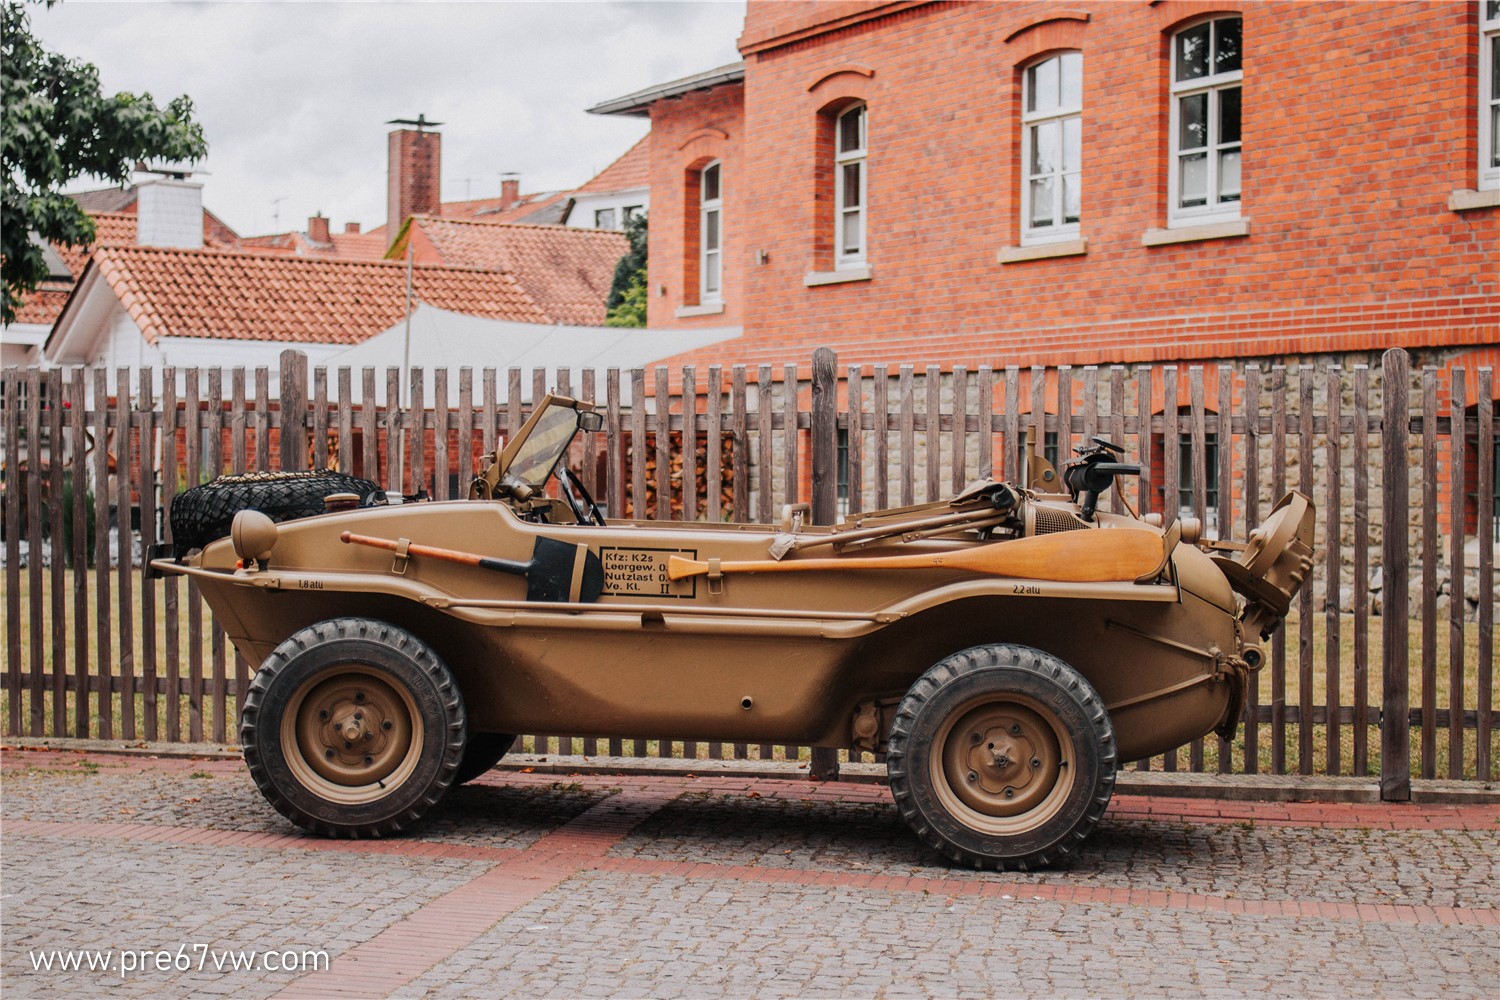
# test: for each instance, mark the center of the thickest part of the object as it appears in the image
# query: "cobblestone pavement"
(599, 886)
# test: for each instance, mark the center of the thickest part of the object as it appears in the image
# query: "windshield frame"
(515, 449)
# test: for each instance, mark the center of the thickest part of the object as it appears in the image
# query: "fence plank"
(689, 450)
(172, 706)
(764, 394)
(102, 628)
(824, 765)
(1144, 406)
(614, 473)
(1457, 397)
(1305, 377)
(986, 442)
(1361, 622)
(56, 581)
(855, 422)
(589, 393)
(146, 486)
(663, 511)
(1395, 727)
(214, 434)
(1484, 765)
(292, 394)
(262, 419)
(882, 412)
(960, 430)
(37, 647)
(442, 459)
(12, 411)
(320, 417)
(638, 508)
(193, 421)
(1090, 403)
(1198, 449)
(1333, 597)
(741, 454)
(78, 430)
(907, 390)
(791, 438)
(932, 436)
(1064, 415)
(714, 446)
(1428, 750)
(369, 428)
(345, 403)
(415, 419)
(124, 573)
(1278, 641)
(1252, 519)
(1011, 444)
(1171, 495)
(1224, 516)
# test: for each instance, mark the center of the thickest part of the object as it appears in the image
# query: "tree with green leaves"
(58, 126)
(627, 293)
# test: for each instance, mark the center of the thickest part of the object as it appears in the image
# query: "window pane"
(1045, 151)
(851, 184)
(711, 273)
(1229, 175)
(1072, 143)
(1495, 68)
(1043, 89)
(711, 231)
(1041, 202)
(1071, 185)
(631, 211)
(1227, 45)
(1229, 115)
(604, 218)
(1192, 122)
(1192, 53)
(711, 183)
(1072, 79)
(851, 130)
(1492, 11)
(1194, 179)
(1495, 137)
(852, 233)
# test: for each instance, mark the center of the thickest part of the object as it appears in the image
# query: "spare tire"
(204, 513)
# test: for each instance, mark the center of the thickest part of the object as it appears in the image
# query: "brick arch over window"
(1174, 15)
(1029, 44)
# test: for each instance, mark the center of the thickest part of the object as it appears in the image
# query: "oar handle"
(434, 552)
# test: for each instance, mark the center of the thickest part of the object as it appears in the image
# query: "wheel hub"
(353, 729)
(1002, 759)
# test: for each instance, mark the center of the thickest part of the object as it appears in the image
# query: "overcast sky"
(294, 96)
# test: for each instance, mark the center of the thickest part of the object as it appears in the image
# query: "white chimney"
(169, 212)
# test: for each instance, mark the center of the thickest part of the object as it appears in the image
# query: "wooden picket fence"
(94, 647)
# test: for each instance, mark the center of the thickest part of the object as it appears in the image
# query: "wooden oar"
(1069, 556)
(557, 571)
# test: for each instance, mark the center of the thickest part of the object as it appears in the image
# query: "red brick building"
(1095, 183)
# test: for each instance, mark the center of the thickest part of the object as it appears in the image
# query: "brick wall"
(1358, 123)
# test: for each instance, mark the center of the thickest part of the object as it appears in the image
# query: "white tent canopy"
(442, 339)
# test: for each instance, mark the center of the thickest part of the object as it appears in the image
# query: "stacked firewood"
(651, 508)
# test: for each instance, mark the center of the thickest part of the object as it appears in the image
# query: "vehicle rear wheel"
(353, 728)
(483, 752)
(1002, 757)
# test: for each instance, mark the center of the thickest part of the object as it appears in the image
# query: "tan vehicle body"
(820, 658)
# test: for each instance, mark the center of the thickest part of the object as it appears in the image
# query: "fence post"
(825, 762)
(293, 393)
(1395, 725)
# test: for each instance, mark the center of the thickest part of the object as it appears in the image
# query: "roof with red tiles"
(566, 271)
(631, 170)
(341, 246)
(544, 208)
(248, 296)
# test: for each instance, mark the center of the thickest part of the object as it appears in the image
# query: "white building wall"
(585, 207)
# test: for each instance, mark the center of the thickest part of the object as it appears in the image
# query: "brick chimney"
(317, 229)
(351, 229)
(415, 161)
(169, 212)
(510, 189)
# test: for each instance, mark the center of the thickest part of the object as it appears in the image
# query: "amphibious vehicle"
(1005, 649)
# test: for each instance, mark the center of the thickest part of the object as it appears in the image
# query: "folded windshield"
(545, 444)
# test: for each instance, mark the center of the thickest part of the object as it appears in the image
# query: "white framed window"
(632, 212)
(604, 218)
(1051, 148)
(1489, 95)
(1204, 172)
(850, 182)
(710, 233)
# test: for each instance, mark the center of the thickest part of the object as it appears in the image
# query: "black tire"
(353, 728)
(205, 512)
(1002, 757)
(483, 752)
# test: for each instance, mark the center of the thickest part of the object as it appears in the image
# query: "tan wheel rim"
(1003, 764)
(350, 735)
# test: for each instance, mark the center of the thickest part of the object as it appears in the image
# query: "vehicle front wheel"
(1002, 757)
(353, 728)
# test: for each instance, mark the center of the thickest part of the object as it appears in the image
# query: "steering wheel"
(582, 505)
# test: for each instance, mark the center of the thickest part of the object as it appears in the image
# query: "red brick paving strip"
(403, 951)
